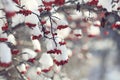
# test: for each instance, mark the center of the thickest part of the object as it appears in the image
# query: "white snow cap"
(27, 66)
(5, 55)
(36, 45)
(32, 74)
(97, 23)
(31, 18)
(64, 33)
(38, 70)
(46, 62)
(76, 15)
(9, 8)
(1, 30)
(57, 69)
(118, 22)
(106, 4)
(28, 54)
(56, 77)
(36, 31)
(39, 2)
(8, 5)
(50, 45)
(48, 0)
(47, 78)
(77, 33)
(2, 23)
(62, 58)
(3, 37)
(93, 31)
(69, 52)
(19, 18)
(11, 39)
(62, 20)
(116, 5)
(30, 4)
(22, 68)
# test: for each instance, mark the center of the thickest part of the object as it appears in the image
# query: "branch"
(52, 31)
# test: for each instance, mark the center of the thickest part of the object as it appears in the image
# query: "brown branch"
(52, 31)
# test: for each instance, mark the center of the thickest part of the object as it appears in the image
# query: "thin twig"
(52, 31)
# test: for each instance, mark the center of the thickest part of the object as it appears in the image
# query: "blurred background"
(95, 49)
